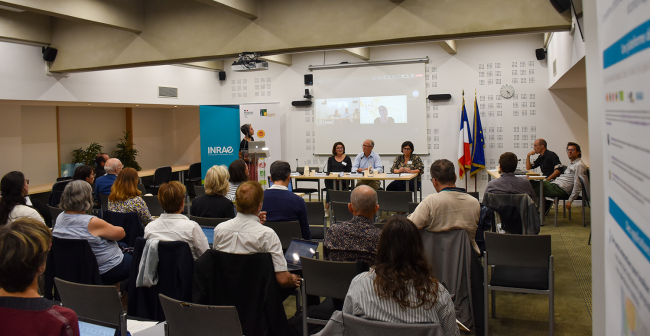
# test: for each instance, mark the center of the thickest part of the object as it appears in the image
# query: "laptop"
(90, 327)
(299, 248)
(256, 146)
(209, 233)
(290, 187)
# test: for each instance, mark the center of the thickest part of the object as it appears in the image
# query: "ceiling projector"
(248, 61)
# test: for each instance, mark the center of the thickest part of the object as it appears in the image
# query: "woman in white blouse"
(400, 288)
(13, 189)
(171, 225)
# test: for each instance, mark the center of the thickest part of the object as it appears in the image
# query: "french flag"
(464, 139)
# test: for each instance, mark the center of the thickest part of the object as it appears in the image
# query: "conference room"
(158, 79)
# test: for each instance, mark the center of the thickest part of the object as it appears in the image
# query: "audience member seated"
(214, 204)
(100, 162)
(508, 183)
(566, 185)
(125, 196)
(282, 205)
(357, 239)
(104, 183)
(245, 235)
(400, 288)
(24, 245)
(547, 161)
(338, 162)
(171, 225)
(73, 223)
(367, 158)
(238, 171)
(451, 208)
(406, 163)
(13, 203)
(84, 173)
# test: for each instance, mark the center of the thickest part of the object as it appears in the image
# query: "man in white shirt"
(245, 235)
(365, 159)
(567, 184)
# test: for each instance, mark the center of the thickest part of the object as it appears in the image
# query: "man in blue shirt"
(280, 204)
(103, 184)
(366, 159)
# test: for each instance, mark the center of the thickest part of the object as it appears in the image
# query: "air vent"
(167, 92)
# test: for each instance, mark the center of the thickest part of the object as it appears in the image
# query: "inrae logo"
(220, 150)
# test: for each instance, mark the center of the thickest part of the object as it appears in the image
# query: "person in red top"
(24, 245)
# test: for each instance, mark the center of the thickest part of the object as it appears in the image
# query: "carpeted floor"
(527, 314)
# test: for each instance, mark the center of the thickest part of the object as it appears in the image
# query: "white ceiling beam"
(284, 59)
(361, 53)
(120, 14)
(25, 27)
(205, 65)
(245, 8)
(449, 46)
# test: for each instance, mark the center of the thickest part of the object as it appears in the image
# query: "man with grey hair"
(103, 184)
(280, 204)
(357, 239)
(368, 158)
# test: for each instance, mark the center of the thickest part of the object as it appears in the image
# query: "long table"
(531, 177)
(375, 177)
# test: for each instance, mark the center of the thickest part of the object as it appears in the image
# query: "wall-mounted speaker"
(444, 96)
(561, 5)
(309, 79)
(540, 54)
(301, 103)
(222, 75)
(49, 54)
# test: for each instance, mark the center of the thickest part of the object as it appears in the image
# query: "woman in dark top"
(24, 245)
(84, 173)
(338, 162)
(406, 163)
(248, 132)
(214, 203)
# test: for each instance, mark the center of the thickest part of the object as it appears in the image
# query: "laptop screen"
(93, 329)
(290, 187)
(209, 233)
(300, 248)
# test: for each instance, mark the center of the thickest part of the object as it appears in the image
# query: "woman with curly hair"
(400, 288)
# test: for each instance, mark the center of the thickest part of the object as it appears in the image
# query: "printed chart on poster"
(624, 39)
(266, 124)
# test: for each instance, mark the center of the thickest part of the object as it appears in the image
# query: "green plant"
(88, 155)
(126, 153)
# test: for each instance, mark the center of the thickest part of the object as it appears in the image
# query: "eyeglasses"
(571, 150)
(367, 146)
(407, 148)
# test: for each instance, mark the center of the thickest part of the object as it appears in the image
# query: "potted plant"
(126, 153)
(87, 156)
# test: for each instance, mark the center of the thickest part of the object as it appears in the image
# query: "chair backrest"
(212, 222)
(194, 171)
(131, 223)
(341, 212)
(71, 260)
(340, 196)
(199, 190)
(286, 231)
(101, 303)
(517, 251)
(153, 204)
(413, 206)
(529, 219)
(162, 175)
(55, 212)
(57, 191)
(189, 319)
(60, 186)
(315, 213)
(395, 201)
(142, 189)
(328, 278)
(586, 196)
(354, 325)
(103, 200)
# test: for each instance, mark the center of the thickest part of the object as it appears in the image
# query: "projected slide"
(337, 111)
(383, 110)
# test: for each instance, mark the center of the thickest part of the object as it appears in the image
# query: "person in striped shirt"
(400, 288)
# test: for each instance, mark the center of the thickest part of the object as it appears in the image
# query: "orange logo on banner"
(262, 165)
(260, 134)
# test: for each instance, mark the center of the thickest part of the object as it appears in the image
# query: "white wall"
(565, 49)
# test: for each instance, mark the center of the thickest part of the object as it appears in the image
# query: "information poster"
(624, 40)
(265, 120)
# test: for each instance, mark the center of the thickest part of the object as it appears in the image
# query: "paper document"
(134, 325)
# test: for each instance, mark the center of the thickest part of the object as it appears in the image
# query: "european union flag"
(478, 143)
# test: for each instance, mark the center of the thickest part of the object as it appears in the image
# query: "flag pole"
(464, 167)
(475, 179)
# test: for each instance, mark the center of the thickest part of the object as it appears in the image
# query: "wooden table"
(531, 176)
(41, 188)
(375, 177)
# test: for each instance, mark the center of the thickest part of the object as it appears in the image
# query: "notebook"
(209, 233)
(299, 248)
(88, 327)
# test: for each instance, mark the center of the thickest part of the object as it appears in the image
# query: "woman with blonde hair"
(125, 196)
(214, 203)
(24, 245)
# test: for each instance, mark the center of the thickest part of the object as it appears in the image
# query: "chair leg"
(569, 210)
(555, 204)
(485, 293)
(494, 304)
(584, 223)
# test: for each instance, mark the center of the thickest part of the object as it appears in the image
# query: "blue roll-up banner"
(219, 136)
